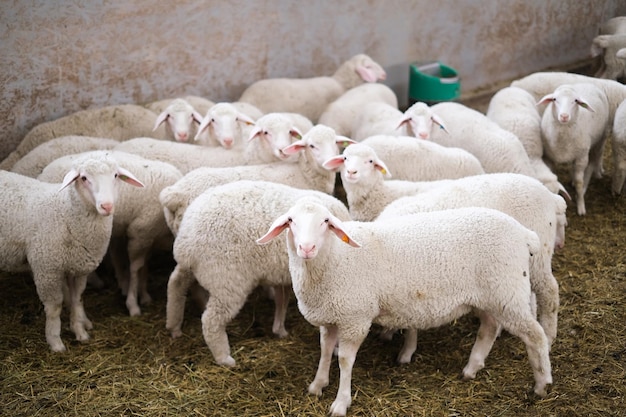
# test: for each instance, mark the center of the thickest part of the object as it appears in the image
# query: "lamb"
(36, 160)
(497, 149)
(310, 96)
(277, 130)
(412, 159)
(214, 247)
(618, 146)
(138, 223)
(222, 126)
(180, 118)
(60, 233)
(540, 84)
(612, 50)
(574, 136)
(515, 110)
(315, 147)
(120, 122)
(521, 197)
(342, 113)
(395, 279)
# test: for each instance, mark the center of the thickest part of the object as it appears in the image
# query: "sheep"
(214, 247)
(412, 159)
(574, 136)
(315, 147)
(310, 96)
(279, 129)
(419, 120)
(138, 222)
(120, 122)
(521, 197)
(378, 118)
(497, 149)
(222, 126)
(618, 147)
(515, 110)
(540, 84)
(60, 233)
(36, 160)
(180, 118)
(413, 272)
(341, 113)
(612, 50)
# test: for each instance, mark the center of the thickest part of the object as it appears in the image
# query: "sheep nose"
(423, 135)
(228, 142)
(564, 118)
(307, 250)
(107, 208)
(182, 136)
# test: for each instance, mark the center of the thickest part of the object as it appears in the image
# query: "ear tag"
(345, 238)
(383, 171)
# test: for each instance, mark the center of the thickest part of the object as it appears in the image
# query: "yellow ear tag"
(345, 238)
(345, 144)
(383, 171)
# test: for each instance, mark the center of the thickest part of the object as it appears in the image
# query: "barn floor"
(132, 367)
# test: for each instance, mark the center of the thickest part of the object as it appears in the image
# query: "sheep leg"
(530, 331)
(409, 346)
(328, 340)
(119, 259)
(281, 301)
(595, 156)
(50, 291)
(487, 334)
(179, 282)
(580, 166)
(224, 304)
(137, 254)
(547, 295)
(619, 167)
(348, 348)
(78, 318)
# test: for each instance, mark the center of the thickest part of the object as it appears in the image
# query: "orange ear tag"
(345, 238)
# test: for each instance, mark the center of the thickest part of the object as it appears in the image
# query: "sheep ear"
(204, 124)
(380, 166)
(160, 119)
(344, 141)
(244, 118)
(275, 229)
(366, 74)
(334, 225)
(582, 103)
(294, 148)
(255, 132)
(295, 133)
(69, 178)
(197, 117)
(403, 121)
(436, 119)
(126, 176)
(547, 99)
(334, 162)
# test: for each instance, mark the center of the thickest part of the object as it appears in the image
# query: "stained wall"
(63, 56)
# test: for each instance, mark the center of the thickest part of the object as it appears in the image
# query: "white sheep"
(60, 233)
(36, 160)
(180, 119)
(274, 131)
(342, 113)
(138, 223)
(419, 120)
(216, 248)
(574, 129)
(315, 147)
(618, 147)
(515, 110)
(540, 84)
(412, 272)
(120, 122)
(521, 197)
(378, 118)
(611, 48)
(414, 159)
(310, 96)
(497, 149)
(224, 125)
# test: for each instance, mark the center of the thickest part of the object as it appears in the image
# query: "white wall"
(63, 56)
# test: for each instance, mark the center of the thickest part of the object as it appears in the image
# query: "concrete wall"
(61, 56)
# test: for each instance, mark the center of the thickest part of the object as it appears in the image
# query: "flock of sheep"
(447, 210)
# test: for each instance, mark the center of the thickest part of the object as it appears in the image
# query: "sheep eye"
(265, 132)
(326, 220)
(289, 220)
(312, 146)
(84, 178)
(371, 161)
(116, 175)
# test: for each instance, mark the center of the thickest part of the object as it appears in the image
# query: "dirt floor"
(132, 367)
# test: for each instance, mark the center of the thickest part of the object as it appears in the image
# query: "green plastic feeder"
(433, 82)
